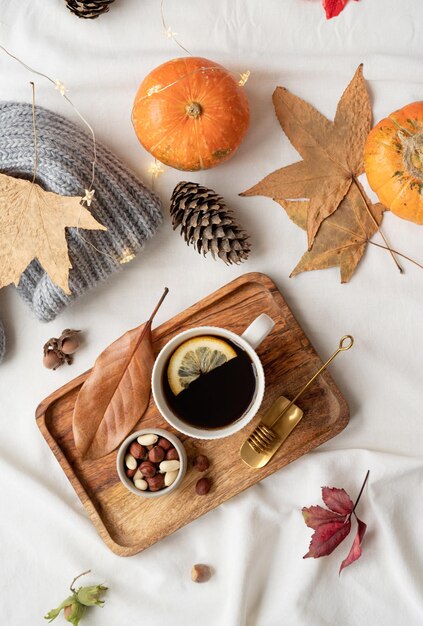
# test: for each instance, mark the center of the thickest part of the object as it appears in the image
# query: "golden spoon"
(271, 432)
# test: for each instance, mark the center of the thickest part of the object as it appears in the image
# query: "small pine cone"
(88, 9)
(207, 223)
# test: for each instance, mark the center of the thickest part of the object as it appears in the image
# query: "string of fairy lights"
(155, 168)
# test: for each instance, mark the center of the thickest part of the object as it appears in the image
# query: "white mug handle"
(258, 330)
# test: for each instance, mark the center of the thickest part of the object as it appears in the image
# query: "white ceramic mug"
(248, 341)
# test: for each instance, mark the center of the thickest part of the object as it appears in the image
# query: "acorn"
(52, 360)
(68, 341)
(60, 350)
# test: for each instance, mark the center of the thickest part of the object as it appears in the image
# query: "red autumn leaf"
(355, 552)
(334, 7)
(315, 516)
(337, 500)
(327, 537)
(332, 525)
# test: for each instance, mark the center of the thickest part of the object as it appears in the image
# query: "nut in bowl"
(151, 462)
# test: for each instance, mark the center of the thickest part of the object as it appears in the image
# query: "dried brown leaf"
(116, 393)
(332, 152)
(32, 226)
(342, 238)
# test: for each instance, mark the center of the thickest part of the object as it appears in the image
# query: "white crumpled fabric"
(254, 542)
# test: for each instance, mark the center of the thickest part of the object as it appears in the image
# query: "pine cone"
(207, 223)
(89, 9)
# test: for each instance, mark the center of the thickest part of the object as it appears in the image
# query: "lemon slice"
(194, 357)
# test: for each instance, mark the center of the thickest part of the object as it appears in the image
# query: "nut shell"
(164, 443)
(137, 450)
(156, 454)
(200, 573)
(172, 455)
(147, 469)
(201, 463)
(203, 486)
(155, 482)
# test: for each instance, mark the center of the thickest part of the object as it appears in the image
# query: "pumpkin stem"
(193, 109)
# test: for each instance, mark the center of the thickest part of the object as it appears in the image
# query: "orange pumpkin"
(190, 113)
(393, 158)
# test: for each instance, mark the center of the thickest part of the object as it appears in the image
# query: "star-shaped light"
(60, 87)
(155, 169)
(88, 198)
(243, 78)
(127, 257)
(169, 33)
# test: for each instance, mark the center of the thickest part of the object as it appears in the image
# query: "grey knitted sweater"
(129, 210)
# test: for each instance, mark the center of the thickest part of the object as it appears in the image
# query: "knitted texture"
(129, 210)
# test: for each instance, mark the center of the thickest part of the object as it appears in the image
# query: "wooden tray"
(127, 523)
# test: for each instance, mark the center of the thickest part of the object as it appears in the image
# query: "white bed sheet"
(255, 542)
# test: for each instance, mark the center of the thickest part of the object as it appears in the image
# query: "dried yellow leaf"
(32, 226)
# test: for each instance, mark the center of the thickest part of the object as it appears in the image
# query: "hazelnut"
(130, 472)
(200, 573)
(164, 443)
(51, 360)
(147, 469)
(172, 455)
(156, 454)
(137, 450)
(155, 482)
(201, 463)
(203, 486)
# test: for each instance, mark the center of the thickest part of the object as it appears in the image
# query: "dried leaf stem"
(404, 256)
(358, 497)
(148, 323)
(388, 247)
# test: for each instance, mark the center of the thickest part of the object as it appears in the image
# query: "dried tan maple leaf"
(343, 237)
(32, 226)
(332, 151)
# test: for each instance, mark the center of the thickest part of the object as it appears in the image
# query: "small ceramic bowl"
(120, 462)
